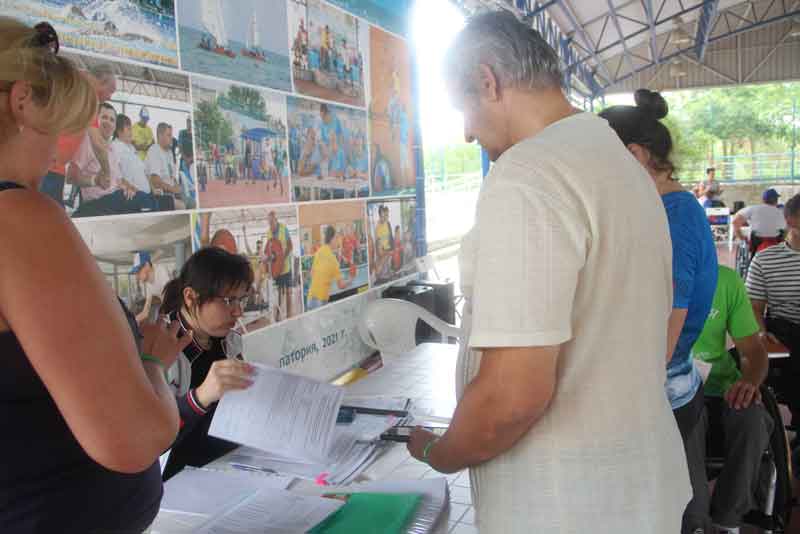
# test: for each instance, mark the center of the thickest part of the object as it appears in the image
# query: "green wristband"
(152, 359)
(427, 450)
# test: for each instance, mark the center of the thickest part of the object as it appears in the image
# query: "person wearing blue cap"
(154, 277)
(766, 222)
(143, 136)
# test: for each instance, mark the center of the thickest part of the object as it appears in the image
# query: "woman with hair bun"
(85, 412)
(694, 273)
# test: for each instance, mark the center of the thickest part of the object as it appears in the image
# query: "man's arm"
(145, 313)
(738, 222)
(510, 393)
(156, 182)
(76, 176)
(674, 326)
(755, 364)
(100, 147)
(759, 309)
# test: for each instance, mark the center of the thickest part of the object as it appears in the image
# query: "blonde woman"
(84, 414)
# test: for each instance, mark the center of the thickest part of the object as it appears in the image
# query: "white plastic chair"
(389, 325)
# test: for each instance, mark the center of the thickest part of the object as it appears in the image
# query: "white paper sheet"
(286, 414)
(168, 522)
(207, 492)
(380, 402)
(272, 512)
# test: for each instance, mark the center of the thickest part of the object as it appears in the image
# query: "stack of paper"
(271, 511)
(288, 425)
(347, 459)
(193, 496)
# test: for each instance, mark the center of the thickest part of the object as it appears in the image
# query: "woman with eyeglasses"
(208, 298)
(85, 413)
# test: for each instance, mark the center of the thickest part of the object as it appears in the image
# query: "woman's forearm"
(155, 373)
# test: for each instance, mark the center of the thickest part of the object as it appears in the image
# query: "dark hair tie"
(46, 37)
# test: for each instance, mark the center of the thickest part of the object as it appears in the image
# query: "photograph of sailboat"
(253, 48)
(239, 40)
(216, 40)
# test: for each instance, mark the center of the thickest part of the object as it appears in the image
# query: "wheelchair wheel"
(780, 454)
(742, 259)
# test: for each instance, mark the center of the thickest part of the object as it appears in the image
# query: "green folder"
(371, 513)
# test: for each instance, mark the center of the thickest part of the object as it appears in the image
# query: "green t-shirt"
(731, 312)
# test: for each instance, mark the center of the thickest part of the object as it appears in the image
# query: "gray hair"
(516, 53)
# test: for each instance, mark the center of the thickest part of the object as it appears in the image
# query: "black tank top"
(48, 483)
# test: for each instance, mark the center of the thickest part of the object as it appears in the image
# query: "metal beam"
(567, 10)
(542, 7)
(707, 19)
(788, 14)
(651, 21)
(769, 54)
(613, 12)
(657, 23)
(714, 71)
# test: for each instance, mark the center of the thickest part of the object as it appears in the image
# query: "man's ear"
(488, 84)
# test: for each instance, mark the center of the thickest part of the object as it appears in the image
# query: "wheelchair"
(774, 493)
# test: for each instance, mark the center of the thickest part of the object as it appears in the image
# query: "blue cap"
(144, 113)
(140, 259)
(770, 194)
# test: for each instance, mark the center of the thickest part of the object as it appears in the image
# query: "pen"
(377, 411)
(245, 467)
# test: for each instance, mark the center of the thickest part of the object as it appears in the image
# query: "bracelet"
(427, 450)
(152, 359)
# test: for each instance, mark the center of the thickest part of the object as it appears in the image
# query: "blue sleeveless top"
(47, 482)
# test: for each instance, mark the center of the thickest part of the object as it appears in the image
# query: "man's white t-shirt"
(160, 162)
(765, 220)
(571, 247)
(130, 167)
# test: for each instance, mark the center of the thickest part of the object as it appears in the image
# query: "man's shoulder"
(771, 253)
(727, 276)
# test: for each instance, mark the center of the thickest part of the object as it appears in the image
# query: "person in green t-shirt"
(733, 397)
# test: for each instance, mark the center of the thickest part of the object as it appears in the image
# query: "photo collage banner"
(281, 130)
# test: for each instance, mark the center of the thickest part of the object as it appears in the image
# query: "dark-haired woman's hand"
(224, 376)
(161, 341)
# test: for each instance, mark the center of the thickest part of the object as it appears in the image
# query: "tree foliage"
(710, 124)
(212, 126)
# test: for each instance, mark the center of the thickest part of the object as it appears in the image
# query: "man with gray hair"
(160, 166)
(562, 418)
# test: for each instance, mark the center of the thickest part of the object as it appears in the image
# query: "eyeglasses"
(230, 302)
(46, 37)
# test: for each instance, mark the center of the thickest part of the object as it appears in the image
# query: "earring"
(21, 128)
